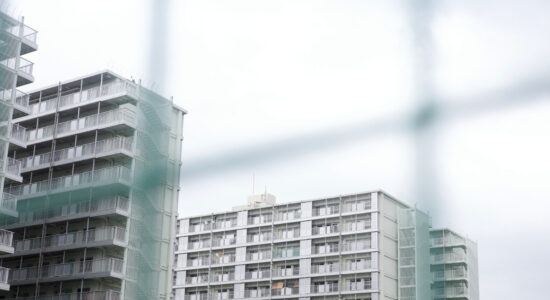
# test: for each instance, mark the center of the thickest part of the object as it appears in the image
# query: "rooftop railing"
(81, 152)
(87, 95)
(70, 181)
(113, 265)
(84, 123)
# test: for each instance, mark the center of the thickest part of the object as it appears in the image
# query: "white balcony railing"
(14, 167)
(285, 291)
(256, 293)
(118, 143)
(451, 291)
(324, 288)
(284, 272)
(19, 133)
(448, 257)
(6, 238)
(356, 245)
(449, 274)
(111, 265)
(87, 95)
(325, 268)
(356, 265)
(202, 278)
(79, 238)
(85, 123)
(4, 275)
(356, 226)
(70, 181)
(25, 66)
(22, 99)
(257, 274)
(29, 34)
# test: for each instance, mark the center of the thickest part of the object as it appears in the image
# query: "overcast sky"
(253, 71)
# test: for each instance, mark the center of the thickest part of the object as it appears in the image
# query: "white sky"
(250, 71)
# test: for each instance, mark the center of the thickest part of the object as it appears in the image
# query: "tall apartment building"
(16, 39)
(359, 246)
(453, 266)
(97, 195)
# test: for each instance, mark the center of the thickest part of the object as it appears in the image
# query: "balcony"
(222, 295)
(108, 267)
(224, 259)
(222, 277)
(69, 182)
(324, 288)
(287, 216)
(452, 274)
(356, 207)
(261, 219)
(8, 204)
(97, 295)
(446, 242)
(356, 245)
(230, 223)
(256, 293)
(223, 242)
(356, 265)
(286, 253)
(4, 274)
(202, 296)
(325, 248)
(286, 272)
(448, 258)
(199, 245)
(13, 169)
(450, 291)
(200, 227)
(110, 146)
(325, 268)
(286, 234)
(21, 104)
(258, 238)
(203, 278)
(104, 206)
(358, 285)
(326, 210)
(6, 241)
(258, 274)
(24, 72)
(356, 226)
(331, 229)
(111, 118)
(109, 90)
(93, 237)
(258, 255)
(18, 135)
(287, 291)
(198, 262)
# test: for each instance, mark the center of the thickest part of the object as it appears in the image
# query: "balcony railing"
(283, 272)
(222, 277)
(14, 167)
(324, 288)
(286, 234)
(324, 268)
(285, 291)
(451, 291)
(203, 296)
(79, 238)
(29, 34)
(222, 296)
(286, 253)
(118, 143)
(356, 246)
(74, 210)
(25, 66)
(256, 293)
(357, 206)
(18, 133)
(197, 262)
(257, 274)
(85, 123)
(199, 245)
(325, 210)
(440, 241)
(356, 266)
(324, 229)
(287, 216)
(22, 99)
(447, 258)
(223, 242)
(200, 227)
(4, 275)
(79, 179)
(203, 278)
(87, 95)
(8, 202)
(449, 274)
(357, 285)
(259, 255)
(112, 265)
(325, 248)
(258, 238)
(261, 219)
(6, 238)
(97, 295)
(225, 259)
(225, 224)
(356, 226)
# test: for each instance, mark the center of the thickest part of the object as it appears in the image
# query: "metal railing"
(69, 181)
(118, 143)
(324, 288)
(365, 284)
(356, 226)
(225, 259)
(22, 99)
(286, 253)
(261, 219)
(316, 230)
(325, 248)
(197, 262)
(285, 291)
(449, 274)
(202, 278)
(358, 206)
(257, 293)
(356, 245)
(199, 244)
(113, 265)
(259, 255)
(451, 291)
(29, 34)
(6, 238)
(200, 227)
(355, 266)
(326, 210)
(221, 277)
(223, 242)
(222, 296)
(78, 238)
(286, 234)
(224, 224)
(258, 238)
(447, 257)
(287, 216)
(203, 296)
(283, 272)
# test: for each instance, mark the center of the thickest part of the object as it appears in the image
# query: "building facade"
(360, 246)
(97, 195)
(453, 266)
(16, 39)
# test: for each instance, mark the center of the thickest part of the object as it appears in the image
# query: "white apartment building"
(358, 246)
(16, 39)
(99, 161)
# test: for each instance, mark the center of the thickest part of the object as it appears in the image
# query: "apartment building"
(343, 247)
(453, 266)
(16, 39)
(99, 159)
